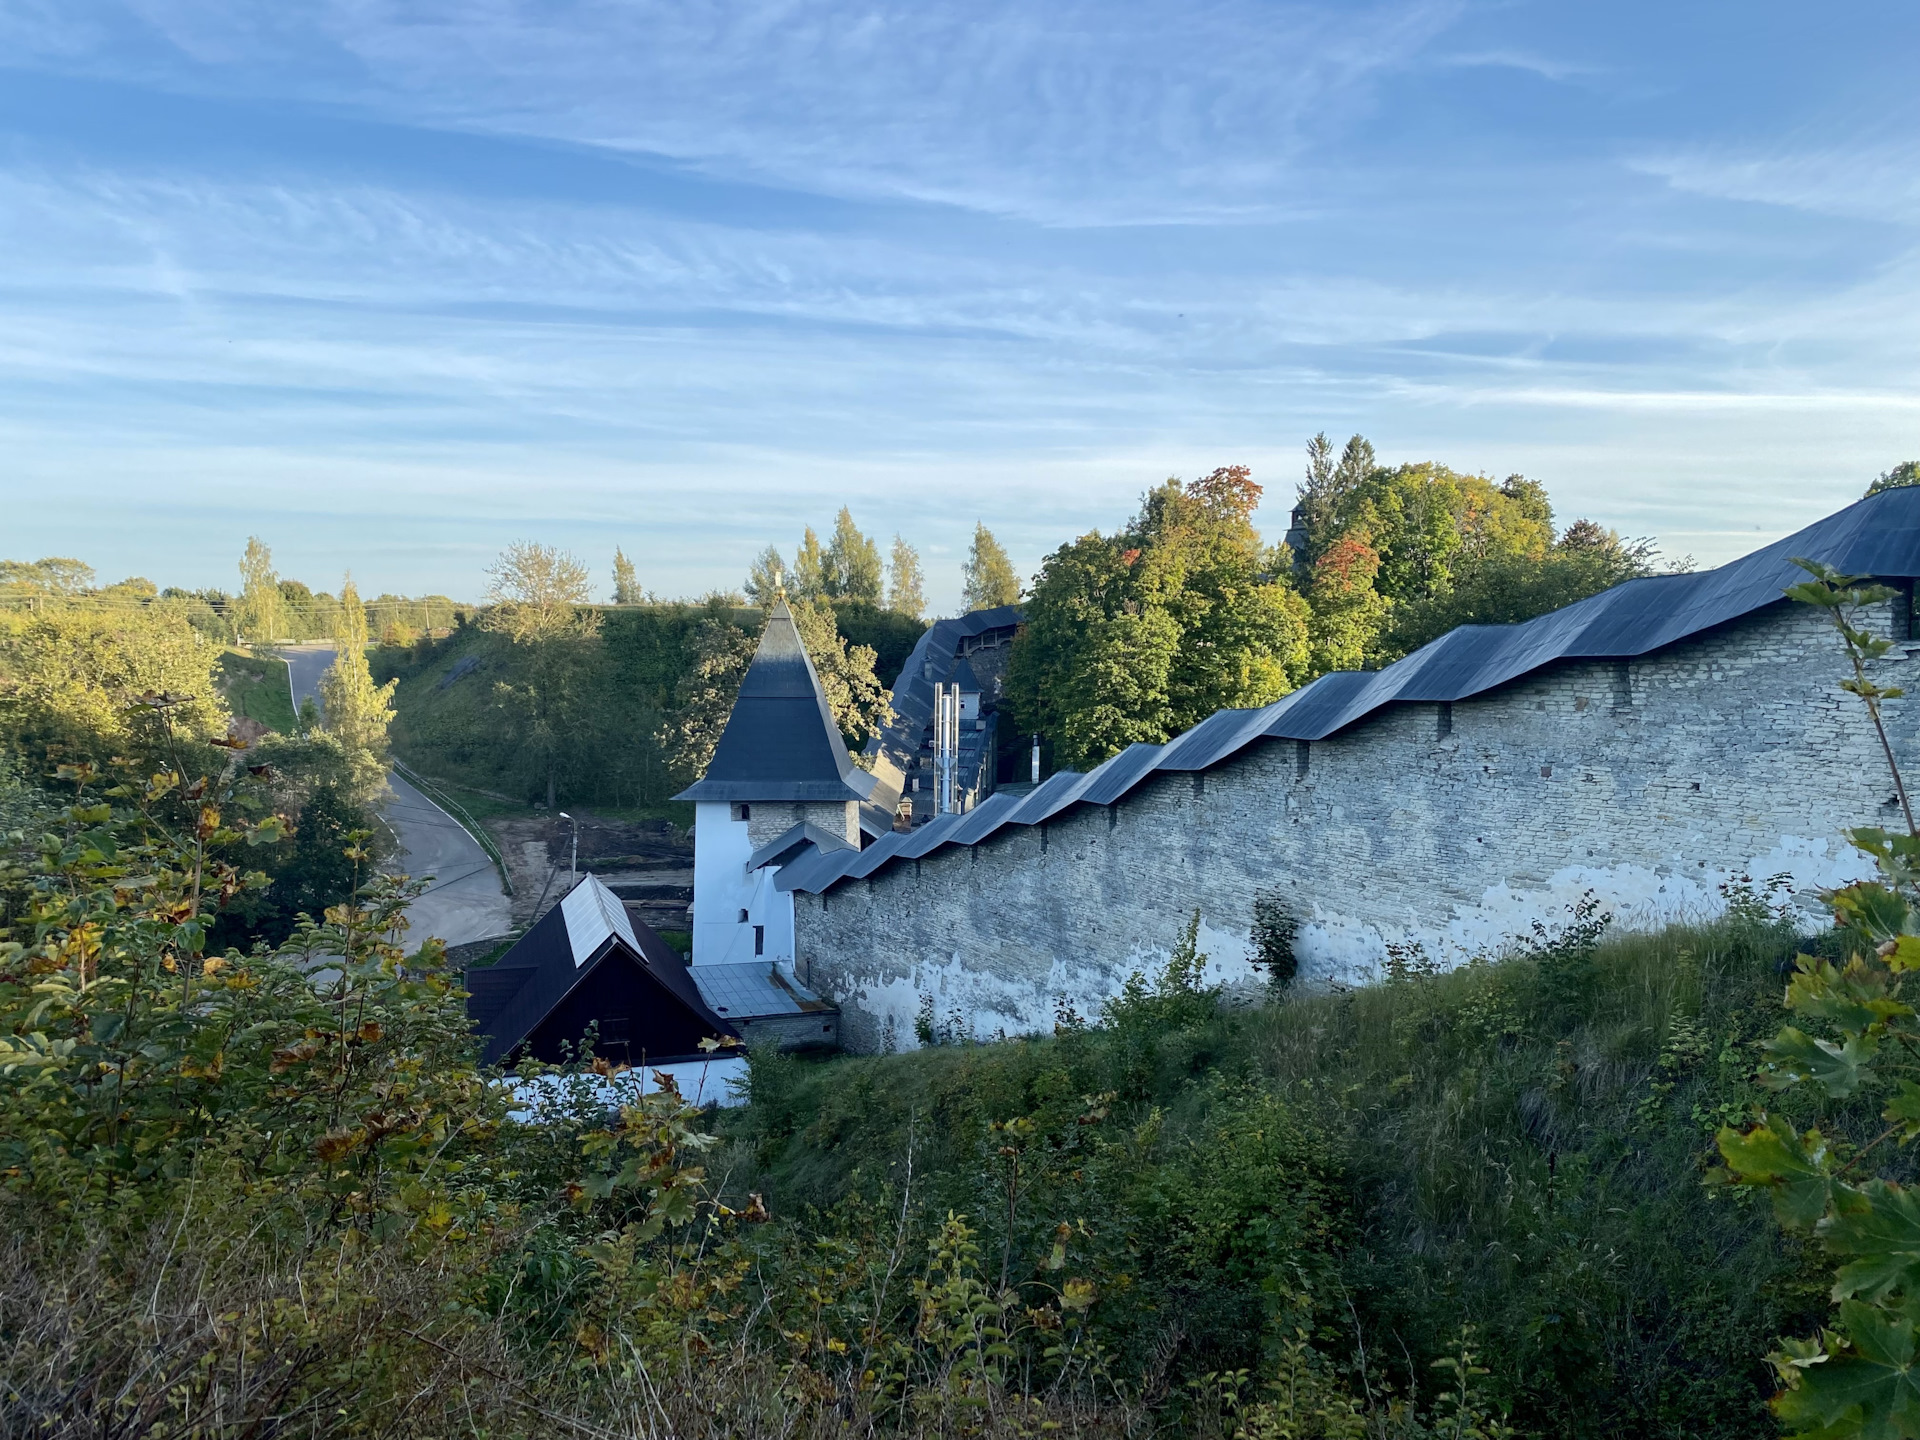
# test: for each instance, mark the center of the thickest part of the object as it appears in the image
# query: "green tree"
(1856, 1378)
(810, 569)
(987, 577)
(860, 703)
(1501, 587)
(259, 617)
(79, 683)
(357, 712)
(852, 564)
(1907, 472)
(906, 588)
(1347, 612)
(54, 577)
(704, 697)
(1322, 499)
(626, 584)
(1136, 637)
(540, 598)
(768, 579)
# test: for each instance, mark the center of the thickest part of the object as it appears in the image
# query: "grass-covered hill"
(1521, 1148)
(455, 713)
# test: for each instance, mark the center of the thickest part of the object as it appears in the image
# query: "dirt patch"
(648, 863)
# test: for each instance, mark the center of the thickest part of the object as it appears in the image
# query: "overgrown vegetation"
(249, 1185)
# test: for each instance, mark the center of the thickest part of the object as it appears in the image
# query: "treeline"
(542, 696)
(268, 609)
(1137, 635)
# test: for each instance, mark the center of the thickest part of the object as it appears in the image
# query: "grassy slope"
(256, 686)
(1522, 1146)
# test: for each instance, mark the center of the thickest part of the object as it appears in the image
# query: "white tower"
(780, 781)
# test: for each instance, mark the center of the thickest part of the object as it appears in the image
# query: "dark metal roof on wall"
(781, 742)
(1879, 536)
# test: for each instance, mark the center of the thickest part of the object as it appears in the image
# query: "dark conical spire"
(781, 742)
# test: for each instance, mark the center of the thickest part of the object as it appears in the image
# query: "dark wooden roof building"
(588, 962)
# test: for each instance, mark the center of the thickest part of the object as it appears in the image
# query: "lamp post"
(573, 859)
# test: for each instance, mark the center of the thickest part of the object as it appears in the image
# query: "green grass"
(256, 687)
(681, 940)
(1521, 1146)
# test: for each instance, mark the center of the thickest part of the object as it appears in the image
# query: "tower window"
(759, 939)
(743, 917)
(743, 812)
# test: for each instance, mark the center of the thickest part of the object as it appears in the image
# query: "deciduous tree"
(356, 711)
(988, 578)
(1135, 637)
(260, 602)
(852, 563)
(768, 578)
(626, 583)
(906, 588)
(1907, 472)
(809, 579)
(540, 598)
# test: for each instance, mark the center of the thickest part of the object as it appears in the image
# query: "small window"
(614, 1029)
(743, 812)
(759, 939)
(743, 917)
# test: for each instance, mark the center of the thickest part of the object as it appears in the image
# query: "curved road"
(465, 901)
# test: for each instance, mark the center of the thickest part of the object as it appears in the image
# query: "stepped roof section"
(1878, 536)
(932, 662)
(781, 742)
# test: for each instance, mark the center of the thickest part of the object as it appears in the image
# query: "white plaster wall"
(723, 886)
(1648, 783)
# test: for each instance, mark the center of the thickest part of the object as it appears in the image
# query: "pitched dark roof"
(785, 846)
(1878, 536)
(781, 742)
(510, 998)
(932, 662)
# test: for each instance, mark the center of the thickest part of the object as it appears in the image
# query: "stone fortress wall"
(1649, 782)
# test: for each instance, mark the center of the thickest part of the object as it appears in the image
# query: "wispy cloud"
(1859, 181)
(1079, 112)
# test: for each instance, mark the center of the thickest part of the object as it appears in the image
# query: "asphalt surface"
(464, 901)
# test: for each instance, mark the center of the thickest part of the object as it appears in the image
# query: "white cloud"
(1854, 180)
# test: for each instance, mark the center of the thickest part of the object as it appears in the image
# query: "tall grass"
(1520, 1146)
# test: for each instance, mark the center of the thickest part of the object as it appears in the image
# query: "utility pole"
(573, 860)
(1036, 759)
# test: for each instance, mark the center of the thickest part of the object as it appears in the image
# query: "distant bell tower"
(780, 780)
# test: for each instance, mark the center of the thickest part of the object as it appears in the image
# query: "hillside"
(1519, 1147)
(454, 720)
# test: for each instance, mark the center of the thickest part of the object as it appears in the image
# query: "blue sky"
(394, 284)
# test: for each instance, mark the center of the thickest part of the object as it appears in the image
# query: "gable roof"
(781, 742)
(510, 998)
(1878, 536)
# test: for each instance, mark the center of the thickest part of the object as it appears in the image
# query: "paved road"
(465, 901)
(306, 664)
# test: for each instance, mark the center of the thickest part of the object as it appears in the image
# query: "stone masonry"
(1650, 783)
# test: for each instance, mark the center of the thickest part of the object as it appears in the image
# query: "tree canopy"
(1136, 636)
(906, 588)
(540, 597)
(1907, 472)
(988, 578)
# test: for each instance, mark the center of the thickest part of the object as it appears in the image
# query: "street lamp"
(573, 860)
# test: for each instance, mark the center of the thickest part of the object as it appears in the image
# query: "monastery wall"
(1649, 783)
